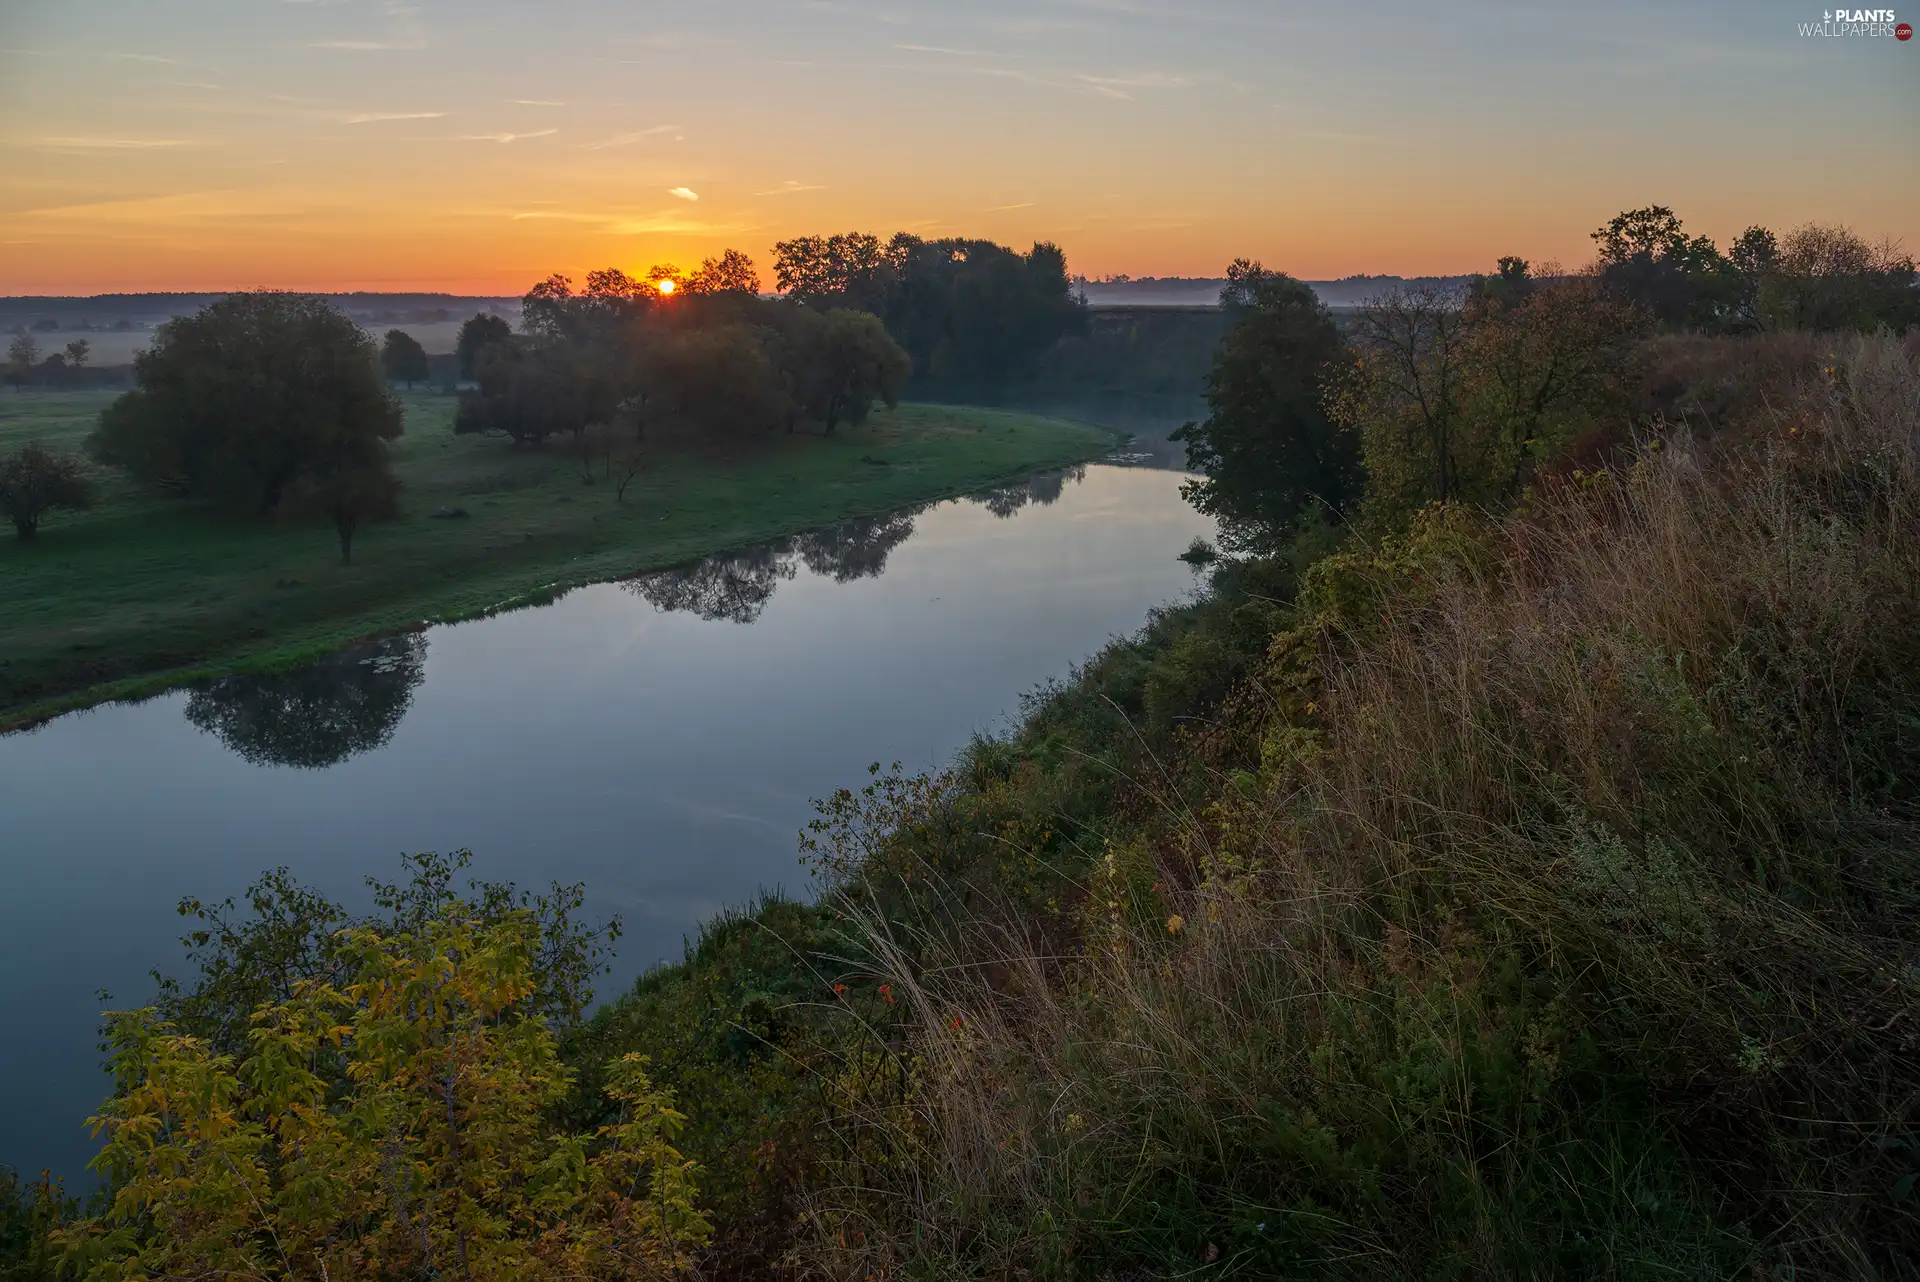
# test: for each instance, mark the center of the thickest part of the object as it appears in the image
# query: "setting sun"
(665, 286)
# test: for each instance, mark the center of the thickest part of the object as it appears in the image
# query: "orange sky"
(394, 145)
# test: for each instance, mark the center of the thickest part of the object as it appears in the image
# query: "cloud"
(535, 102)
(956, 53)
(367, 46)
(625, 140)
(1025, 204)
(790, 187)
(664, 222)
(684, 193)
(112, 144)
(376, 117)
(505, 138)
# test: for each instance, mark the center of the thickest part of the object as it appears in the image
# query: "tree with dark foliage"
(1267, 451)
(403, 359)
(250, 398)
(35, 481)
(479, 333)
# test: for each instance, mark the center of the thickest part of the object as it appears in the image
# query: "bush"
(35, 481)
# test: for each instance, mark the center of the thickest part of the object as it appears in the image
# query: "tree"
(35, 481)
(403, 359)
(477, 334)
(78, 353)
(850, 269)
(732, 272)
(394, 1125)
(530, 390)
(1830, 278)
(1647, 258)
(850, 361)
(317, 716)
(251, 397)
(1406, 396)
(23, 353)
(1267, 450)
(719, 379)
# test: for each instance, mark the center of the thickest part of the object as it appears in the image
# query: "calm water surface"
(658, 739)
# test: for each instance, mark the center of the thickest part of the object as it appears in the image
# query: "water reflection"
(353, 701)
(1043, 488)
(318, 716)
(736, 586)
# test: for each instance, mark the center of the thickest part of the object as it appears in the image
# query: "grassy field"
(146, 590)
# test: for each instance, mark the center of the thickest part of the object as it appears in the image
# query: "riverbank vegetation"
(1508, 870)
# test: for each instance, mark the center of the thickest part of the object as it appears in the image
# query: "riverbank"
(144, 592)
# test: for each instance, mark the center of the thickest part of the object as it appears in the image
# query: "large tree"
(250, 398)
(402, 358)
(1647, 258)
(1267, 450)
(849, 361)
(35, 481)
(479, 333)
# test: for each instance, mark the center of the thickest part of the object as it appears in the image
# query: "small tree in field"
(393, 1124)
(35, 481)
(403, 359)
(22, 355)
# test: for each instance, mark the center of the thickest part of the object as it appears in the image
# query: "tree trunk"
(344, 526)
(27, 528)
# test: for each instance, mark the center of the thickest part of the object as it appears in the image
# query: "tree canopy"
(252, 397)
(35, 481)
(965, 310)
(402, 358)
(1267, 451)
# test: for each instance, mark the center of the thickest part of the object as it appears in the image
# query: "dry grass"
(1571, 927)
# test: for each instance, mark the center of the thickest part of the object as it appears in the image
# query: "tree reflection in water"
(736, 586)
(317, 716)
(1042, 488)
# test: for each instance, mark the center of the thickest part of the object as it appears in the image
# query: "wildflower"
(955, 1022)
(886, 991)
(839, 988)
(1176, 924)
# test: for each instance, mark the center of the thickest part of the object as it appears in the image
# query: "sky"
(476, 146)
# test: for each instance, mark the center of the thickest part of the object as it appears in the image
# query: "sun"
(665, 286)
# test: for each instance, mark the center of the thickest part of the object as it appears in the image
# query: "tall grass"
(1569, 925)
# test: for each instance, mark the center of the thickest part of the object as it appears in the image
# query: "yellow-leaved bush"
(397, 1126)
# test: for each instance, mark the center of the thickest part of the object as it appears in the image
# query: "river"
(658, 739)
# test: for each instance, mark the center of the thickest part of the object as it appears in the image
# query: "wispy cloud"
(664, 222)
(683, 193)
(376, 117)
(789, 187)
(367, 46)
(628, 139)
(956, 53)
(1025, 204)
(112, 144)
(535, 102)
(506, 138)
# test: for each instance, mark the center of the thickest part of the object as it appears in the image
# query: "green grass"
(146, 590)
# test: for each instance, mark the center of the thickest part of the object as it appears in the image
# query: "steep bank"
(1507, 898)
